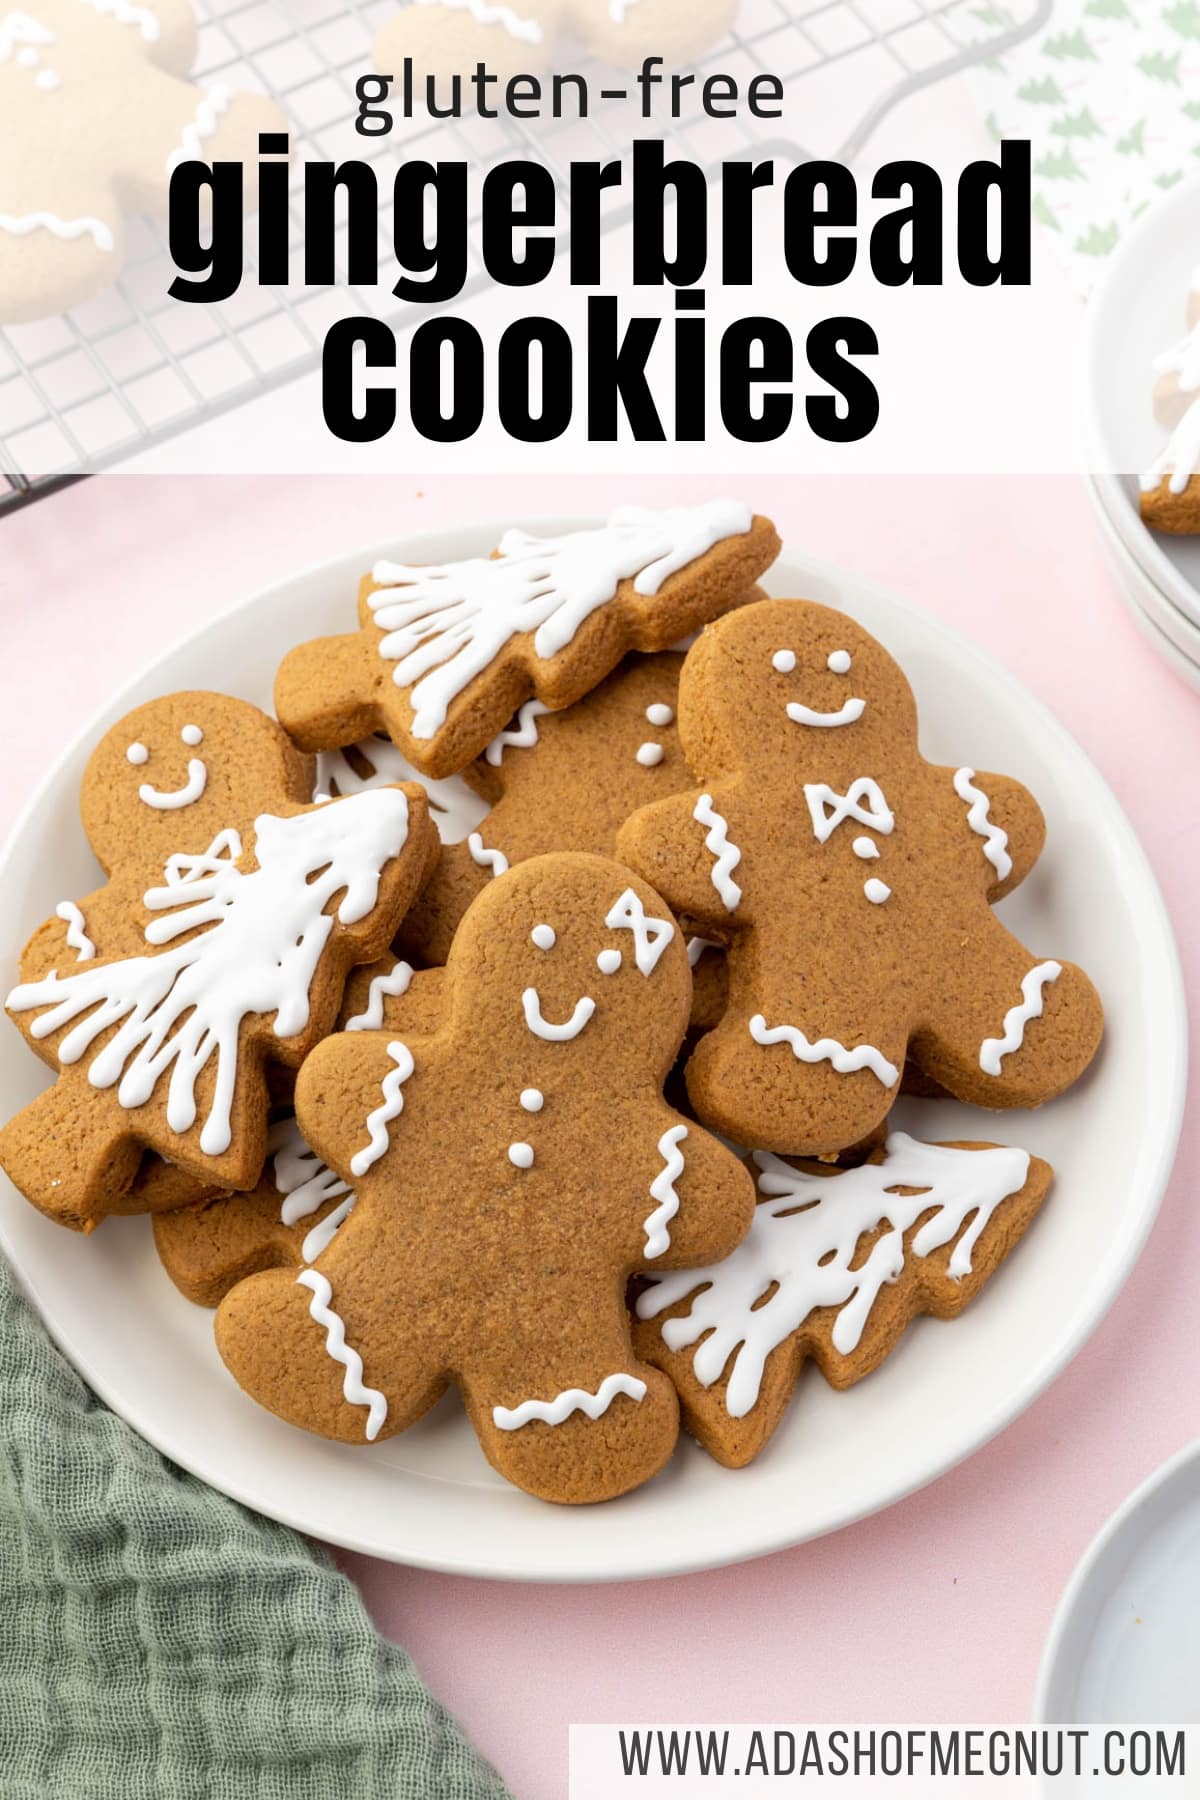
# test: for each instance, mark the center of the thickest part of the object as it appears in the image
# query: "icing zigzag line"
(495, 860)
(353, 1386)
(391, 1106)
(995, 846)
(22, 224)
(992, 1050)
(522, 737)
(394, 983)
(554, 1412)
(826, 1049)
(662, 1189)
(717, 844)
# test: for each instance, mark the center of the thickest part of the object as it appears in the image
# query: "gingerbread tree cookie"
(446, 653)
(512, 1168)
(835, 1266)
(293, 1213)
(850, 879)
(220, 942)
(96, 111)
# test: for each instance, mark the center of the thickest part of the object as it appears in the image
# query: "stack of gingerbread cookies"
(585, 1114)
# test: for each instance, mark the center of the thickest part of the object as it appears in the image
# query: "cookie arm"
(668, 844)
(327, 691)
(700, 1202)
(1012, 1029)
(1007, 822)
(64, 1153)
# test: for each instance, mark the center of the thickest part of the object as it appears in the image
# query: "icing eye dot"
(543, 936)
(838, 661)
(532, 1099)
(660, 713)
(865, 847)
(650, 754)
(608, 962)
(192, 734)
(137, 754)
(877, 891)
(27, 58)
(784, 661)
(521, 1156)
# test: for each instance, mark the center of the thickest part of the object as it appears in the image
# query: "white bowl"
(1172, 634)
(1136, 311)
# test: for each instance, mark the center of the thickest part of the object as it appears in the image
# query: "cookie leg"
(769, 1084)
(576, 1425)
(291, 1343)
(1018, 1032)
(61, 1153)
(326, 691)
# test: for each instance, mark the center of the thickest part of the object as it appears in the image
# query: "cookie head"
(177, 771)
(573, 954)
(783, 680)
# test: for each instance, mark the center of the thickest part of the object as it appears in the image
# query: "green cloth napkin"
(158, 1640)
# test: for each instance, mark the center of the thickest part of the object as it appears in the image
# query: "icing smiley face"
(189, 791)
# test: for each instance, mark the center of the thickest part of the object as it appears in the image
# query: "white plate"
(1174, 637)
(1122, 1648)
(1135, 312)
(428, 1497)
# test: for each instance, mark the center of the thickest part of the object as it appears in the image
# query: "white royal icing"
(1183, 360)
(521, 1156)
(877, 891)
(390, 1107)
(544, 937)
(1180, 459)
(993, 1050)
(137, 754)
(21, 41)
(532, 1099)
(717, 843)
(801, 1249)
(660, 713)
(529, 31)
(838, 661)
(303, 1180)
(184, 1007)
(353, 1386)
(77, 937)
(444, 624)
(846, 714)
(995, 841)
(172, 799)
(784, 661)
(396, 982)
(126, 14)
(555, 1034)
(863, 801)
(649, 755)
(202, 125)
(846, 1061)
(451, 801)
(608, 962)
(662, 1189)
(318, 1240)
(571, 1400)
(865, 848)
(495, 860)
(696, 946)
(650, 936)
(192, 734)
(22, 224)
(521, 737)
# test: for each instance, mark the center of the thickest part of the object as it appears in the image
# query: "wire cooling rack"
(132, 368)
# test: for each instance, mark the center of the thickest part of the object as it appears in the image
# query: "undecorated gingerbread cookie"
(95, 112)
(512, 1169)
(291, 1216)
(220, 943)
(446, 653)
(850, 880)
(835, 1265)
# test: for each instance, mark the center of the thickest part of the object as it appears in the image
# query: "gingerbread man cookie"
(220, 942)
(851, 881)
(95, 113)
(446, 653)
(511, 1170)
(524, 37)
(835, 1265)
(291, 1216)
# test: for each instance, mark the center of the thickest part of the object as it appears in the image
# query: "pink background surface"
(938, 1609)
